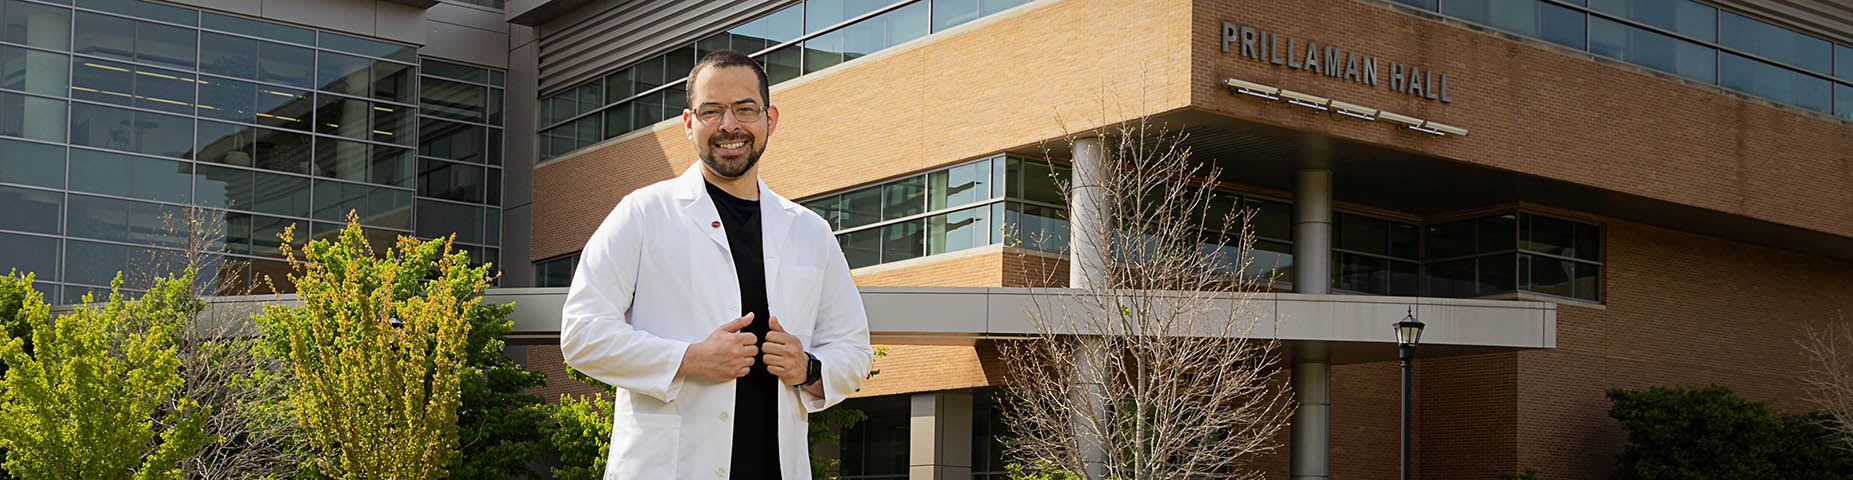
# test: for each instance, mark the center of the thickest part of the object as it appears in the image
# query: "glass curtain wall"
(793, 41)
(1684, 38)
(117, 116)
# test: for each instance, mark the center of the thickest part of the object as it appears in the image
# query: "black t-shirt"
(755, 422)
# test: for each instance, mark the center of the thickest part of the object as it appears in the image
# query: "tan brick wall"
(996, 85)
(982, 270)
(1544, 110)
(926, 368)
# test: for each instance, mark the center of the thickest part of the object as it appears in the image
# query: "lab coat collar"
(775, 213)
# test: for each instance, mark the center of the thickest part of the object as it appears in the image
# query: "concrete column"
(1087, 216)
(1088, 223)
(1312, 267)
(940, 436)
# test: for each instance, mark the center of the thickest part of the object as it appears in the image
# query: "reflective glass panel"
(104, 36)
(132, 176)
(30, 210)
(47, 117)
(903, 198)
(393, 81)
(1362, 234)
(223, 187)
(166, 45)
(280, 194)
(959, 230)
(861, 207)
(823, 51)
(1653, 50)
(347, 117)
(454, 71)
(439, 219)
(341, 159)
(451, 140)
(227, 100)
(959, 185)
(1775, 43)
(378, 206)
(34, 71)
(393, 123)
(862, 248)
(26, 253)
(42, 26)
(132, 131)
(901, 241)
(450, 181)
(372, 48)
(139, 223)
(339, 73)
(1776, 83)
(783, 64)
(391, 166)
(282, 150)
(31, 163)
(1843, 102)
(454, 100)
(285, 64)
(1687, 17)
(951, 13)
(283, 107)
(257, 28)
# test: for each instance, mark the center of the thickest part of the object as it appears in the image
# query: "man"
(723, 312)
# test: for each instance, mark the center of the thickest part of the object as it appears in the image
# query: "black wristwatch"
(813, 370)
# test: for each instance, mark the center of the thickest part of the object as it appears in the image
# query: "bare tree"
(1149, 371)
(1829, 377)
(221, 355)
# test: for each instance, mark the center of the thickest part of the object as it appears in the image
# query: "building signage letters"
(1332, 61)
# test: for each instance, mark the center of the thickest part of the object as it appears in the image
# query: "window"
(132, 176)
(30, 210)
(1654, 50)
(42, 26)
(1775, 43)
(131, 130)
(876, 447)
(1686, 17)
(30, 253)
(1776, 83)
(46, 114)
(1375, 256)
(556, 271)
(34, 71)
(1514, 252)
(28, 163)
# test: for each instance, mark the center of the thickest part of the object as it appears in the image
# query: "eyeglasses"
(743, 113)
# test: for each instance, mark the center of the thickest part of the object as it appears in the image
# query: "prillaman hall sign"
(1332, 61)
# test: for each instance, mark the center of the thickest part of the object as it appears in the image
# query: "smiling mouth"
(732, 145)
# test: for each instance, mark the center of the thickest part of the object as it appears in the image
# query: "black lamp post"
(1408, 333)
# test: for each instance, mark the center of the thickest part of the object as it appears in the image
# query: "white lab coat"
(657, 277)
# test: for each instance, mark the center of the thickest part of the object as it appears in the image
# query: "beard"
(736, 166)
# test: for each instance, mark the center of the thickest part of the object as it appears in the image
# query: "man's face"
(728, 144)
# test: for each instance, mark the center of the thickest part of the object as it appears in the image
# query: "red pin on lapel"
(717, 224)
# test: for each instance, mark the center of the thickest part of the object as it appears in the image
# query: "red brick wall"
(1543, 110)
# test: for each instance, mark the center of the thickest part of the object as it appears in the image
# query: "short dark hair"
(727, 58)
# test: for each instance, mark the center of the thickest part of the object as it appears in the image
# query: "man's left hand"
(784, 354)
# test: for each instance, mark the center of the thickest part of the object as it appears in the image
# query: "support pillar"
(1312, 266)
(1088, 225)
(940, 436)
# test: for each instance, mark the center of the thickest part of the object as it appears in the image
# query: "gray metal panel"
(604, 35)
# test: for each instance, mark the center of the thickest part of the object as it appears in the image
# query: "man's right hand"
(725, 355)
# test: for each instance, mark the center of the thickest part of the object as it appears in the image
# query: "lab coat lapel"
(774, 222)
(698, 208)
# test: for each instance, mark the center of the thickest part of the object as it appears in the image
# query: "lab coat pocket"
(643, 446)
(801, 290)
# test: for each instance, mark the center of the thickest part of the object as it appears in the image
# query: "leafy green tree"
(89, 401)
(13, 288)
(1707, 432)
(375, 348)
(496, 423)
